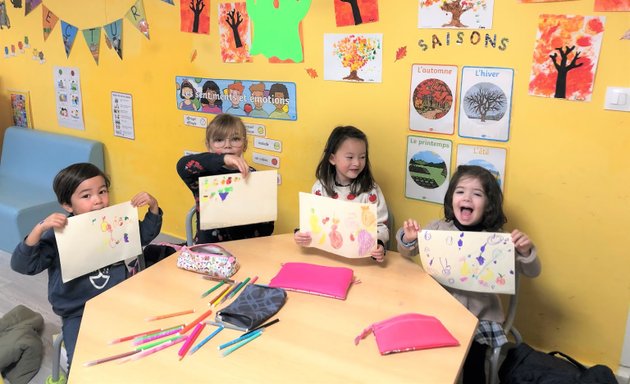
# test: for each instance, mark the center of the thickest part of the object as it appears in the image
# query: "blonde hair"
(223, 126)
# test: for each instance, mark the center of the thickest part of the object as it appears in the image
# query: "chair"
(190, 225)
(57, 376)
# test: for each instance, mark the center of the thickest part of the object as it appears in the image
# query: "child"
(80, 188)
(474, 202)
(344, 173)
(226, 141)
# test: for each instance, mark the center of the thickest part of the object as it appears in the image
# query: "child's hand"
(56, 220)
(142, 199)
(378, 253)
(302, 239)
(410, 230)
(236, 162)
(522, 243)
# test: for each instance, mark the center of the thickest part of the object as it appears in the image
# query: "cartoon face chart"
(427, 168)
(471, 261)
(344, 228)
(68, 97)
(486, 103)
(97, 239)
(229, 200)
(353, 57)
(490, 158)
(432, 98)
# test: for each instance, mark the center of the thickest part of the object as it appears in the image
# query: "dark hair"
(187, 84)
(69, 178)
(326, 172)
(493, 216)
(279, 87)
(211, 86)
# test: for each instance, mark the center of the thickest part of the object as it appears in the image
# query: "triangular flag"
(49, 21)
(29, 5)
(169, 1)
(114, 34)
(93, 39)
(69, 33)
(138, 17)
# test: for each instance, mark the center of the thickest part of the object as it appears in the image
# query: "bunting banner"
(69, 33)
(114, 35)
(169, 2)
(49, 21)
(138, 17)
(30, 5)
(93, 39)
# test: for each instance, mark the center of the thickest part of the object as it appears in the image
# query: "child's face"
(469, 201)
(90, 195)
(349, 160)
(233, 144)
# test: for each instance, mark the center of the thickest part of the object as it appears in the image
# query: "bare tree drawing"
(563, 68)
(356, 13)
(196, 6)
(485, 100)
(234, 19)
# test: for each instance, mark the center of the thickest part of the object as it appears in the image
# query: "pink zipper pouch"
(408, 332)
(314, 279)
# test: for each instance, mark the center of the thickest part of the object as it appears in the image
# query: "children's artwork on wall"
(4, 16)
(490, 158)
(486, 103)
(92, 38)
(470, 261)
(250, 98)
(626, 36)
(345, 228)
(30, 5)
(229, 200)
(401, 53)
(432, 98)
(138, 17)
(541, 1)
(234, 32)
(195, 16)
(566, 53)
(612, 5)
(312, 72)
(355, 58)
(472, 14)
(114, 33)
(355, 12)
(96, 239)
(49, 21)
(427, 168)
(169, 2)
(21, 107)
(68, 97)
(276, 26)
(122, 115)
(68, 34)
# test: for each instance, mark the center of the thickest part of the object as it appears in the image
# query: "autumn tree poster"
(432, 98)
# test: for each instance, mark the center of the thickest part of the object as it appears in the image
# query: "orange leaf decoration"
(401, 53)
(311, 72)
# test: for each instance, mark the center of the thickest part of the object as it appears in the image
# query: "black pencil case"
(253, 307)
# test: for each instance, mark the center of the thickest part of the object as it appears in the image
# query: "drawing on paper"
(235, 33)
(114, 229)
(455, 13)
(612, 5)
(219, 188)
(353, 57)
(355, 12)
(472, 261)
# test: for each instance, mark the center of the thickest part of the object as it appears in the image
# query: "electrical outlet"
(617, 99)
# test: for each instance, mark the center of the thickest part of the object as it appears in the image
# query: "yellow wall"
(567, 178)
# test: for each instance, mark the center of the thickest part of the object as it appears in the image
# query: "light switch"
(617, 99)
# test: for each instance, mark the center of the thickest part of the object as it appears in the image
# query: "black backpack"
(525, 365)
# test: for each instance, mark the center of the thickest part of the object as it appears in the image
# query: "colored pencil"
(144, 340)
(254, 280)
(158, 348)
(238, 339)
(272, 322)
(160, 317)
(223, 297)
(240, 344)
(194, 322)
(211, 302)
(191, 339)
(209, 291)
(207, 277)
(131, 337)
(157, 342)
(225, 325)
(204, 341)
(240, 286)
(110, 358)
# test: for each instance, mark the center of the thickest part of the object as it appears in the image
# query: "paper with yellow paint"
(97, 239)
(470, 261)
(341, 227)
(229, 200)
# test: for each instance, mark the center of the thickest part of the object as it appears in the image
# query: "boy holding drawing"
(80, 188)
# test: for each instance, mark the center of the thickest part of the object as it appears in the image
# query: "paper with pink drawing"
(97, 239)
(470, 261)
(229, 200)
(341, 227)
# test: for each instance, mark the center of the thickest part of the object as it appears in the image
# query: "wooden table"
(313, 342)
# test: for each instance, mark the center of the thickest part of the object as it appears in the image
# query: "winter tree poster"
(432, 98)
(427, 168)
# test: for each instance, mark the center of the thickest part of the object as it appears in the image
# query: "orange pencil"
(211, 302)
(197, 320)
(160, 317)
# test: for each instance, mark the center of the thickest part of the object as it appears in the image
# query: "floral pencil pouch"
(209, 259)
(408, 332)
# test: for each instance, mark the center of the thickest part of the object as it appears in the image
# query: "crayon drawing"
(229, 200)
(97, 239)
(234, 32)
(21, 106)
(473, 14)
(355, 58)
(470, 261)
(565, 56)
(341, 227)
(355, 12)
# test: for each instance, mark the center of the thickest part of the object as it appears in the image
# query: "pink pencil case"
(408, 332)
(315, 279)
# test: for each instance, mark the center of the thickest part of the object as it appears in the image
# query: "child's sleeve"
(529, 265)
(382, 215)
(31, 260)
(150, 227)
(190, 167)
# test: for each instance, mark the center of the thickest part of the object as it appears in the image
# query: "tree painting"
(612, 5)
(432, 99)
(355, 12)
(355, 51)
(565, 56)
(485, 101)
(456, 8)
(195, 16)
(234, 31)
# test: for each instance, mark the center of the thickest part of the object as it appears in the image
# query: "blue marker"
(202, 342)
(251, 335)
